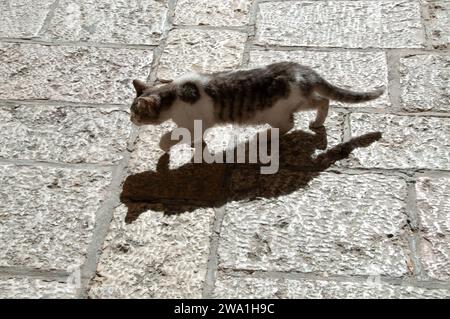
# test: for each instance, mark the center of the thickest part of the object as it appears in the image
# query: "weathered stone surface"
(408, 141)
(22, 18)
(216, 12)
(156, 256)
(79, 74)
(63, 134)
(433, 204)
(354, 24)
(201, 50)
(305, 222)
(47, 215)
(424, 82)
(251, 287)
(439, 23)
(359, 71)
(117, 21)
(24, 288)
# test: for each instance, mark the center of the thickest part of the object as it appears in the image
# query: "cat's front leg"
(321, 105)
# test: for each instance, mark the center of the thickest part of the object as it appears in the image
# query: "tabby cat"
(266, 95)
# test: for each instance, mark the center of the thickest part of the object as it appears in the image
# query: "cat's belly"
(280, 111)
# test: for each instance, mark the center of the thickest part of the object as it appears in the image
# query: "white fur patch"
(192, 77)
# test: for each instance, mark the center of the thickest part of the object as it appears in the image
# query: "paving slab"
(214, 13)
(351, 24)
(250, 287)
(409, 142)
(157, 255)
(424, 82)
(201, 51)
(47, 215)
(105, 21)
(63, 133)
(316, 223)
(22, 18)
(29, 288)
(68, 73)
(438, 23)
(433, 206)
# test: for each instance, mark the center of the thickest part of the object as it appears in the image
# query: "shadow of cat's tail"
(343, 150)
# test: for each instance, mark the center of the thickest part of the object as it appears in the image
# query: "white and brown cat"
(266, 95)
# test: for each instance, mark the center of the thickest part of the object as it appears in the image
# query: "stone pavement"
(84, 213)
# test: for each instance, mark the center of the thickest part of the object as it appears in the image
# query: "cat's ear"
(139, 86)
(148, 105)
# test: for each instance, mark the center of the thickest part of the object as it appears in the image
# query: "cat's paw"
(315, 125)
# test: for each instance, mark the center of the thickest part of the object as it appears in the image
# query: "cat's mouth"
(135, 121)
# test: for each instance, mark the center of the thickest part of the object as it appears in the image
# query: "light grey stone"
(425, 82)
(212, 12)
(47, 215)
(433, 203)
(28, 288)
(354, 24)
(439, 23)
(201, 51)
(23, 18)
(323, 223)
(359, 71)
(78, 74)
(147, 152)
(117, 21)
(156, 256)
(408, 141)
(253, 287)
(63, 134)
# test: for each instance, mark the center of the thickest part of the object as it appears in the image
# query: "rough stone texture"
(424, 82)
(339, 208)
(27, 288)
(201, 51)
(434, 217)
(328, 223)
(215, 12)
(354, 24)
(118, 21)
(359, 71)
(47, 215)
(439, 23)
(79, 74)
(248, 287)
(408, 141)
(64, 134)
(23, 18)
(156, 256)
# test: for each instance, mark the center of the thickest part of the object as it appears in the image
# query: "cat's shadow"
(195, 185)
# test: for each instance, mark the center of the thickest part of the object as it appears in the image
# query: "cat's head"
(149, 103)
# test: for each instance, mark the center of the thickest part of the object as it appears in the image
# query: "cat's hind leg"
(322, 105)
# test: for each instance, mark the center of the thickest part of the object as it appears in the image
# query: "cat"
(265, 95)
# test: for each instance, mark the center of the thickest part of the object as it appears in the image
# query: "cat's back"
(237, 95)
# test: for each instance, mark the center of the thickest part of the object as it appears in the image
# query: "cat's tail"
(332, 92)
